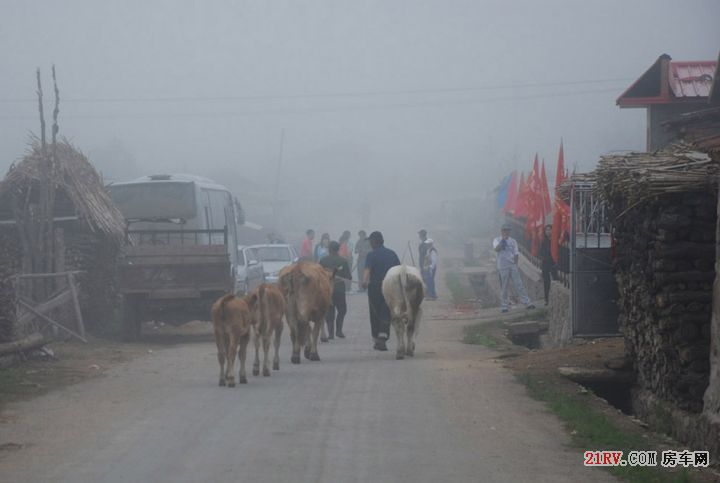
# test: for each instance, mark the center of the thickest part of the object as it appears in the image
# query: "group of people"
(372, 262)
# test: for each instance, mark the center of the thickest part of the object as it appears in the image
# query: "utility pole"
(276, 195)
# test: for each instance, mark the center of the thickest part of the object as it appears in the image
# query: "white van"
(179, 209)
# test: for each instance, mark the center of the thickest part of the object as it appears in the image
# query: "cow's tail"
(262, 301)
(403, 288)
(223, 302)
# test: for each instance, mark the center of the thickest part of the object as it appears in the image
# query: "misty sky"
(414, 93)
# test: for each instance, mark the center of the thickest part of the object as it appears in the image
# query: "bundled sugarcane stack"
(664, 215)
(10, 255)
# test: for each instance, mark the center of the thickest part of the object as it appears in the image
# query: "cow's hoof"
(314, 357)
(410, 352)
(256, 371)
(231, 383)
(276, 366)
(243, 380)
(399, 356)
(221, 382)
(266, 372)
(323, 339)
(307, 354)
(295, 359)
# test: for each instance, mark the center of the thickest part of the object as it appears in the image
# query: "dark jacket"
(330, 263)
(546, 253)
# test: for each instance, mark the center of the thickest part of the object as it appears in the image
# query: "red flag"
(535, 213)
(561, 219)
(519, 208)
(512, 193)
(547, 206)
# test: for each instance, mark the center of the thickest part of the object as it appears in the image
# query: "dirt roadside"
(72, 361)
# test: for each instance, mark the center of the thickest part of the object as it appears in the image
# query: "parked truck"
(180, 249)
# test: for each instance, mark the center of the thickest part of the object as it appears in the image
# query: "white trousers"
(513, 273)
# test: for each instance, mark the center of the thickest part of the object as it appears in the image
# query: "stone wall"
(665, 256)
(559, 316)
(699, 431)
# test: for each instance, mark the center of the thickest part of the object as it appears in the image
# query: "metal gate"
(593, 288)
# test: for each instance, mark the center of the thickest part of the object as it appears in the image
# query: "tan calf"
(267, 307)
(231, 324)
(307, 288)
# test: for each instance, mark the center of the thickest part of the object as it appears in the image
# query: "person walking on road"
(336, 313)
(429, 268)
(306, 249)
(346, 251)
(506, 249)
(321, 249)
(549, 267)
(377, 263)
(362, 248)
(422, 248)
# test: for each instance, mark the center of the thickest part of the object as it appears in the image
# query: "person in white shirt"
(506, 251)
(430, 267)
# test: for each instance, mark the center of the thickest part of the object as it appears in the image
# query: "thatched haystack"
(88, 230)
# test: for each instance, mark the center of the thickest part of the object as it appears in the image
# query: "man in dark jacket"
(339, 304)
(377, 263)
(549, 268)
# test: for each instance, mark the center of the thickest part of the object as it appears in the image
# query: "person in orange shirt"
(306, 249)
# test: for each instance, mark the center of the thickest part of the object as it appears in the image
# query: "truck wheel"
(131, 318)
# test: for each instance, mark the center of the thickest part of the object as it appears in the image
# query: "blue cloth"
(429, 279)
(379, 261)
(503, 191)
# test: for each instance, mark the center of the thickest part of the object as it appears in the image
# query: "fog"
(392, 105)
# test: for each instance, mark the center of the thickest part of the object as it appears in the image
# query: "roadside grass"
(15, 384)
(459, 291)
(482, 334)
(592, 430)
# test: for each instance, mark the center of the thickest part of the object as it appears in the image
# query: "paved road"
(449, 414)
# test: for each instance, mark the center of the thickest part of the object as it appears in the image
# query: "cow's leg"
(399, 324)
(244, 339)
(266, 350)
(306, 331)
(232, 345)
(256, 339)
(317, 326)
(410, 349)
(295, 338)
(278, 338)
(221, 352)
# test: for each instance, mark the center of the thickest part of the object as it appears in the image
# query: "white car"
(274, 258)
(249, 272)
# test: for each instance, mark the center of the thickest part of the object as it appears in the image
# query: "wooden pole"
(276, 195)
(40, 108)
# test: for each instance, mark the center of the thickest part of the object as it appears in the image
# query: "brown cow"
(267, 306)
(307, 290)
(231, 324)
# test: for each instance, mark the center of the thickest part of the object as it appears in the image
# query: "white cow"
(403, 290)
